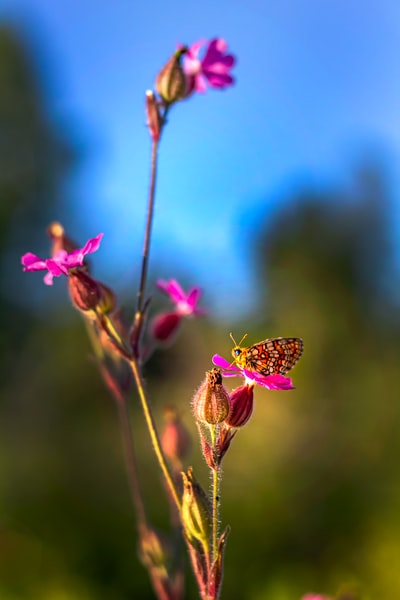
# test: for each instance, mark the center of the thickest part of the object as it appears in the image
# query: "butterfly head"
(237, 350)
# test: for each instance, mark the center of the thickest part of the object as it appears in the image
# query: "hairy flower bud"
(196, 511)
(85, 292)
(171, 80)
(211, 401)
(241, 406)
(154, 119)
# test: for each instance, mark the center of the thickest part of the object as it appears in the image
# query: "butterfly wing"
(273, 356)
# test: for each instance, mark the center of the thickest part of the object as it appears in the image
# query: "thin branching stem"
(141, 304)
(155, 440)
(125, 427)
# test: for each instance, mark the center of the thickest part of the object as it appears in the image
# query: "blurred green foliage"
(310, 486)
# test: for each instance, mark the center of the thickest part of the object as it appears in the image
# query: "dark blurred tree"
(35, 159)
(59, 527)
(324, 261)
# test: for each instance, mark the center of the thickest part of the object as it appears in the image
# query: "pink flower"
(314, 597)
(61, 262)
(185, 304)
(271, 382)
(213, 68)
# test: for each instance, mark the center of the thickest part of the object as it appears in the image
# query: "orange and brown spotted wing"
(272, 357)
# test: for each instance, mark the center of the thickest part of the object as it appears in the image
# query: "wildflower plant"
(121, 349)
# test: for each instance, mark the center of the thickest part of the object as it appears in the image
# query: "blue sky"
(318, 82)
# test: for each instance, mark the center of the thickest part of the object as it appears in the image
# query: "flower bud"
(196, 511)
(175, 439)
(85, 292)
(207, 451)
(154, 119)
(171, 80)
(154, 551)
(211, 401)
(241, 406)
(164, 325)
(225, 436)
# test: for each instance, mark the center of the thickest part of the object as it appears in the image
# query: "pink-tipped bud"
(196, 511)
(209, 455)
(225, 437)
(211, 401)
(171, 80)
(241, 406)
(154, 119)
(175, 439)
(60, 241)
(164, 326)
(85, 292)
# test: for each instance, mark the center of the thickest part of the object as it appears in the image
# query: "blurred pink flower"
(271, 382)
(185, 304)
(314, 597)
(61, 262)
(213, 68)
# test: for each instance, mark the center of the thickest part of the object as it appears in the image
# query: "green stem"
(153, 433)
(215, 495)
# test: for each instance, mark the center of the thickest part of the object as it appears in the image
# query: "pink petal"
(193, 297)
(200, 83)
(172, 289)
(31, 262)
(56, 268)
(75, 258)
(220, 361)
(48, 278)
(272, 382)
(194, 49)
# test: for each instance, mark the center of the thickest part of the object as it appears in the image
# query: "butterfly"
(270, 357)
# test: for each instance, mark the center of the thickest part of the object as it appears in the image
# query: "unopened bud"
(164, 326)
(196, 511)
(154, 119)
(241, 406)
(208, 453)
(211, 401)
(85, 292)
(154, 551)
(175, 439)
(171, 80)
(225, 436)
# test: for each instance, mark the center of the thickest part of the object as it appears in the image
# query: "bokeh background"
(280, 198)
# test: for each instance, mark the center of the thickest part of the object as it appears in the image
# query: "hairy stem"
(215, 496)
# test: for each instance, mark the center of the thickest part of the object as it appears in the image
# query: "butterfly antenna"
(234, 341)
